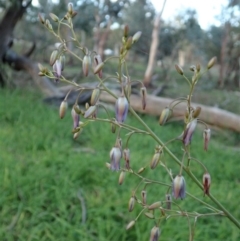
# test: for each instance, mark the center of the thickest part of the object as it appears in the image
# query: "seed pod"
(132, 223)
(131, 204)
(179, 69)
(63, 108)
(95, 96)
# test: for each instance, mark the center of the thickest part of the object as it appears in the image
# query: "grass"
(48, 181)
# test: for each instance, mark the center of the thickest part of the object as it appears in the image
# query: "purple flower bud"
(57, 69)
(179, 187)
(206, 138)
(115, 157)
(187, 135)
(75, 118)
(206, 183)
(155, 234)
(121, 109)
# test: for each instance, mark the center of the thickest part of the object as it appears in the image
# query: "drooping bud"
(57, 70)
(155, 205)
(63, 108)
(155, 160)
(206, 138)
(115, 157)
(131, 224)
(126, 156)
(211, 62)
(179, 69)
(188, 132)
(144, 197)
(155, 234)
(75, 118)
(86, 63)
(136, 37)
(131, 204)
(90, 111)
(196, 112)
(53, 57)
(54, 17)
(121, 178)
(168, 201)
(179, 187)
(95, 96)
(206, 183)
(121, 109)
(144, 97)
(165, 115)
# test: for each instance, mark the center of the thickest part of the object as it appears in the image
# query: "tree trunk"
(153, 48)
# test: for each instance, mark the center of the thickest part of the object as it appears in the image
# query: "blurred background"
(56, 188)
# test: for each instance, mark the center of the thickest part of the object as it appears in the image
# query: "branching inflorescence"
(176, 188)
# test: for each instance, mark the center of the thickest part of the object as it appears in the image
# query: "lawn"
(56, 188)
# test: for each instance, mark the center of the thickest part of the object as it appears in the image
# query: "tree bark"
(153, 48)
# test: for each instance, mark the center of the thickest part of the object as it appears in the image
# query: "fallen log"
(211, 115)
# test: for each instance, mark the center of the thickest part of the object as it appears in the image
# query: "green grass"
(43, 170)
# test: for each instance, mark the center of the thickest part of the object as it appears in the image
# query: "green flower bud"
(54, 17)
(196, 112)
(131, 204)
(141, 170)
(121, 178)
(165, 116)
(155, 205)
(129, 43)
(149, 215)
(155, 160)
(86, 64)
(131, 224)
(63, 108)
(95, 96)
(136, 37)
(179, 69)
(53, 57)
(41, 18)
(211, 62)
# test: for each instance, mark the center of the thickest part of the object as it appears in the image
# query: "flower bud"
(75, 118)
(131, 204)
(179, 187)
(196, 112)
(98, 65)
(121, 109)
(198, 67)
(136, 37)
(108, 165)
(98, 68)
(125, 31)
(141, 170)
(54, 17)
(76, 134)
(131, 224)
(179, 69)
(70, 8)
(126, 156)
(206, 138)
(115, 157)
(63, 108)
(144, 197)
(62, 60)
(168, 201)
(41, 18)
(86, 64)
(144, 97)
(211, 62)
(155, 160)
(95, 96)
(206, 183)
(129, 43)
(149, 215)
(165, 115)
(121, 178)
(90, 111)
(113, 127)
(188, 132)
(155, 205)
(155, 234)
(53, 57)
(48, 24)
(57, 69)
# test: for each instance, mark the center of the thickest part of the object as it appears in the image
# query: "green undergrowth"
(54, 188)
